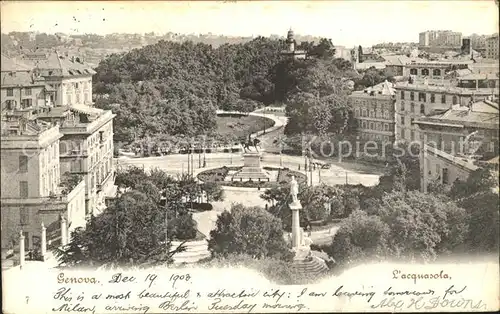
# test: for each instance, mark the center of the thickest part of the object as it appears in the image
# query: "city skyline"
(347, 27)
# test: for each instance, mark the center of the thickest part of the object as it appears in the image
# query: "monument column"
(295, 206)
(21, 249)
(64, 231)
(295, 224)
(43, 242)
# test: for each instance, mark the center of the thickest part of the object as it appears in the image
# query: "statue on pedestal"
(294, 190)
(247, 146)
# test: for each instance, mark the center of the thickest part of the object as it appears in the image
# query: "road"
(339, 173)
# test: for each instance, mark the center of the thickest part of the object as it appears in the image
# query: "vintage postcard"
(249, 156)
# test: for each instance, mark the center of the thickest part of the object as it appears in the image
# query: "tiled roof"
(11, 79)
(396, 59)
(55, 64)
(12, 65)
(463, 162)
(483, 114)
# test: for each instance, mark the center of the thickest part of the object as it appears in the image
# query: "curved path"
(174, 164)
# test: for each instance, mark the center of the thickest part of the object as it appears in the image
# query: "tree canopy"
(248, 230)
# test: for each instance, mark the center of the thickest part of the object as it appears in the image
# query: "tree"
(479, 196)
(130, 232)
(422, 225)
(214, 191)
(69, 181)
(248, 230)
(405, 226)
(361, 237)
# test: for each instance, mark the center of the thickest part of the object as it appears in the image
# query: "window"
(10, 92)
(413, 71)
(371, 125)
(402, 120)
(356, 112)
(402, 94)
(411, 120)
(23, 164)
(402, 133)
(27, 91)
(386, 127)
(26, 103)
(412, 106)
(422, 97)
(24, 216)
(433, 98)
(425, 72)
(23, 189)
(363, 124)
(446, 178)
(412, 135)
(438, 171)
(386, 114)
(436, 72)
(454, 100)
(422, 109)
(76, 165)
(412, 96)
(443, 98)
(77, 85)
(10, 104)
(402, 106)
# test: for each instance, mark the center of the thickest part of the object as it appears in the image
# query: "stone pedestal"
(296, 234)
(252, 169)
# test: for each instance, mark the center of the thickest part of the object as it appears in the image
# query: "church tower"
(290, 50)
(290, 41)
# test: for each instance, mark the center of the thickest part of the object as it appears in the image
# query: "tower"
(290, 41)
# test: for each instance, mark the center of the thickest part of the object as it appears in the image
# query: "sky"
(347, 23)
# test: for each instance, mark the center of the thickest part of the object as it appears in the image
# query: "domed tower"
(290, 41)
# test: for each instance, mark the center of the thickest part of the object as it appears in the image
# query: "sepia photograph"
(249, 156)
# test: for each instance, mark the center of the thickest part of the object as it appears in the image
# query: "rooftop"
(385, 88)
(482, 114)
(24, 78)
(13, 65)
(55, 64)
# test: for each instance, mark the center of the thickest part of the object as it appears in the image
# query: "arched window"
(422, 109)
(413, 71)
(379, 126)
(386, 114)
(386, 126)
(356, 112)
(363, 124)
(425, 72)
(436, 72)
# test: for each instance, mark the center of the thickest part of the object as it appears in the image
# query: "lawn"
(241, 126)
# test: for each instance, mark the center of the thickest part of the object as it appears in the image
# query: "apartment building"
(417, 100)
(440, 38)
(30, 185)
(86, 148)
(21, 87)
(456, 140)
(374, 112)
(68, 76)
(492, 51)
(57, 133)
